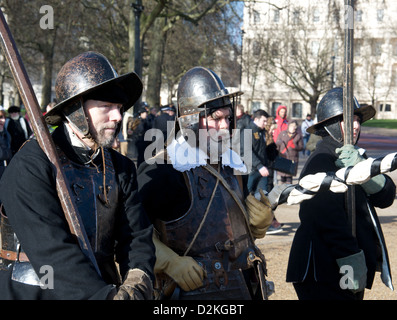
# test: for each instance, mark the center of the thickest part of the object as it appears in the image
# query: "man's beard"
(102, 137)
(217, 144)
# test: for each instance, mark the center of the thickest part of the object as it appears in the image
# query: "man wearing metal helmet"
(205, 232)
(41, 258)
(326, 261)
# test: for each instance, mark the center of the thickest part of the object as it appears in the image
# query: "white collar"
(184, 157)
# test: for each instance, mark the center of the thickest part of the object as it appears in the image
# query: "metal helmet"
(200, 92)
(330, 114)
(90, 76)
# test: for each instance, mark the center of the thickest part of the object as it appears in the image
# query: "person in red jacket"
(281, 120)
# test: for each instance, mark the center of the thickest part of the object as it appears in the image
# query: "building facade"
(293, 53)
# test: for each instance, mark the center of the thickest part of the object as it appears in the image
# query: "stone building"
(293, 52)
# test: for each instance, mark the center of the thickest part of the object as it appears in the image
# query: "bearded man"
(205, 233)
(41, 258)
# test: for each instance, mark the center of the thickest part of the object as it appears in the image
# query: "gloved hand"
(357, 277)
(185, 271)
(375, 184)
(260, 214)
(348, 156)
(137, 285)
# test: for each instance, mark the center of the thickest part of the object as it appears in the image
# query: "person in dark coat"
(18, 128)
(5, 144)
(257, 178)
(326, 261)
(40, 256)
(165, 120)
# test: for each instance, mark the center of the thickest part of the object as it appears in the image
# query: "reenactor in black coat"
(40, 256)
(327, 261)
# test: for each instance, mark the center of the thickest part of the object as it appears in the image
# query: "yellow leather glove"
(137, 285)
(185, 271)
(260, 214)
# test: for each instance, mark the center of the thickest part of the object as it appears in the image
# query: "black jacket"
(324, 234)
(259, 154)
(28, 192)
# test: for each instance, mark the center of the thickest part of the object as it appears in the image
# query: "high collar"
(184, 157)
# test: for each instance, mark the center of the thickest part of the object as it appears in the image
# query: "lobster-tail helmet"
(90, 76)
(201, 92)
(330, 114)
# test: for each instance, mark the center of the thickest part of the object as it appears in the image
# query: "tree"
(296, 53)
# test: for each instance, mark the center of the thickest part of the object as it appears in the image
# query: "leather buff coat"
(325, 234)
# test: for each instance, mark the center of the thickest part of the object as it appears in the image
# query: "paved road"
(276, 247)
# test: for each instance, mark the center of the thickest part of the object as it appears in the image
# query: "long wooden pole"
(348, 103)
(43, 137)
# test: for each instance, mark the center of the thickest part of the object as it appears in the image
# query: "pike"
(348, 103)
(44, 138)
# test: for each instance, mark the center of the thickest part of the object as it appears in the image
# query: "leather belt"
(13, 256)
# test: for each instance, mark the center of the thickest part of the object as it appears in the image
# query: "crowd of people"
(184, 228)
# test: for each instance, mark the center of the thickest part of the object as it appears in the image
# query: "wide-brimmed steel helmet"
(330, 114)
(200, 92)
(90, 75)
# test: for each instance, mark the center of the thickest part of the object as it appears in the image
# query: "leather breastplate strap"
(225, 234)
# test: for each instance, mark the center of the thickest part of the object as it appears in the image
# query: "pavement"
(276, 246)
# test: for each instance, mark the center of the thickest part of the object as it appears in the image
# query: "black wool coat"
(324, 234)
(28, 193)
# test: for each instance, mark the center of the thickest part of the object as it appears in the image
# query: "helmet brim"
(366, 112)
(130, 83)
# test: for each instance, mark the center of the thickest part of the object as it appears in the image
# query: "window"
(380, 14)
(359, 15)
(274, 108)
(316, 15)
(276, 16)
(255, 105)
(387, 107)
(297, 110)
(257, 17)
(295, 17)
(315, 48)
(256, 48)
(377, 48)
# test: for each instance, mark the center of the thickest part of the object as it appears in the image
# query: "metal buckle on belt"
(226, 246)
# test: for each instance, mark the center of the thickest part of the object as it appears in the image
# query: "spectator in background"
(243, 119)
(281, 120)
(289, 143)
(308, 122)
(161, 121)
(5, 144)
(257, 178)
(18, 128)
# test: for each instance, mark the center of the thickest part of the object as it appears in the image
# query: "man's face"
(104, 118)
(218, 129)
(261, 122)
(282, 112)
(14, 115)
(356, 128)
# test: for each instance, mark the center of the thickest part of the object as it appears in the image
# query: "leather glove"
(375, 184)
(184, 270)
(357, 277)
(137, 285)
(348, 156)
(260, 214)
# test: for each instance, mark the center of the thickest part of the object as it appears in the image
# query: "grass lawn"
(389, 124)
